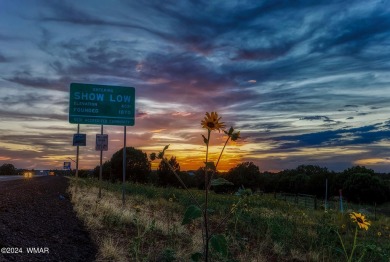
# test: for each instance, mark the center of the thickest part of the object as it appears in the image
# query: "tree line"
(357, 184)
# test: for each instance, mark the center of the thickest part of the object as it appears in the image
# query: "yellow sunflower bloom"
(360, 220)
(211, 122)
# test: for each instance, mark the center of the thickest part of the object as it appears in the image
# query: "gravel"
(36, 214)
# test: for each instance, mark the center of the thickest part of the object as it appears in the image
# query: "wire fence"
(311, 202)
(302, 200)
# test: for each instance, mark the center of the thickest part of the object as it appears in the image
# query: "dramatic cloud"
(304, 81)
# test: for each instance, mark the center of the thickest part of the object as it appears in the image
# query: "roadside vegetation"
(182, 224)
(259, 227)
(358, 184)
(205, 215)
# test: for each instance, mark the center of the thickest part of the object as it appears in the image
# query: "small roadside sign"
(67, 165)
(79, 140)
(101, 142)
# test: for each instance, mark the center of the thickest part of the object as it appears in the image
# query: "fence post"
(341, 201)
(315, 203)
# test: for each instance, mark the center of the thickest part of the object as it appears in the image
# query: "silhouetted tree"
(270, 182)
(316, 179)
(365, 188)
(137, 165)
(199, 178)
(285, 182)
(339, 181)
(306, 179)
(8, 170)
(246, 174)
(106, 171)
(165, 174)
(84, 173)
(189, 179)
(359, 170)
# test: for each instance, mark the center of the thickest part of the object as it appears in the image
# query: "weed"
(167, 255)
(262, 229)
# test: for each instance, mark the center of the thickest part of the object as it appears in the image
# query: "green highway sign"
(101, 104)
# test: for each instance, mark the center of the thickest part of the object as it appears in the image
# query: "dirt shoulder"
(37, 213)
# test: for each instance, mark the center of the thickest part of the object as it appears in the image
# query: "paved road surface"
(7, 178)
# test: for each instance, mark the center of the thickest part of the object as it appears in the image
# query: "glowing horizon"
(311, 89)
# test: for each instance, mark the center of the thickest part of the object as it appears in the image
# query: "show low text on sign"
(101, 104)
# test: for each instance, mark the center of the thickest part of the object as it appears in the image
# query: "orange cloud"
(181, 114)
(372, 161)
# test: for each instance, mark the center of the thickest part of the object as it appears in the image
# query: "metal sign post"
(101, 145)
(78, 140)
(77, 154)
(101, 167)
(124, 167)
(77, 161)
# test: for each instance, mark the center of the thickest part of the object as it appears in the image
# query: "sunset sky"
(306, 82)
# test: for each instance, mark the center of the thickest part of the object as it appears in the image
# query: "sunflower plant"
(361, 223)
(211, 122)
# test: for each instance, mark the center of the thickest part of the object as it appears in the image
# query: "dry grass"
(109, 250)
(142, 229)
(148, 227)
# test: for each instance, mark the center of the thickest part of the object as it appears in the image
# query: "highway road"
(7, 178)
(37, 213)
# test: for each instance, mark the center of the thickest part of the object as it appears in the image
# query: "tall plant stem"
(223, 221)
(182, 182)
(354, 245)
(219, 158)
(342, 245)
(205, 214)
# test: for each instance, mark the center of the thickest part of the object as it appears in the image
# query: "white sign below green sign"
(101, 142)
(101, 104)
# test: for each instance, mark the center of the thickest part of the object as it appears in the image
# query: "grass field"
(258, 227)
